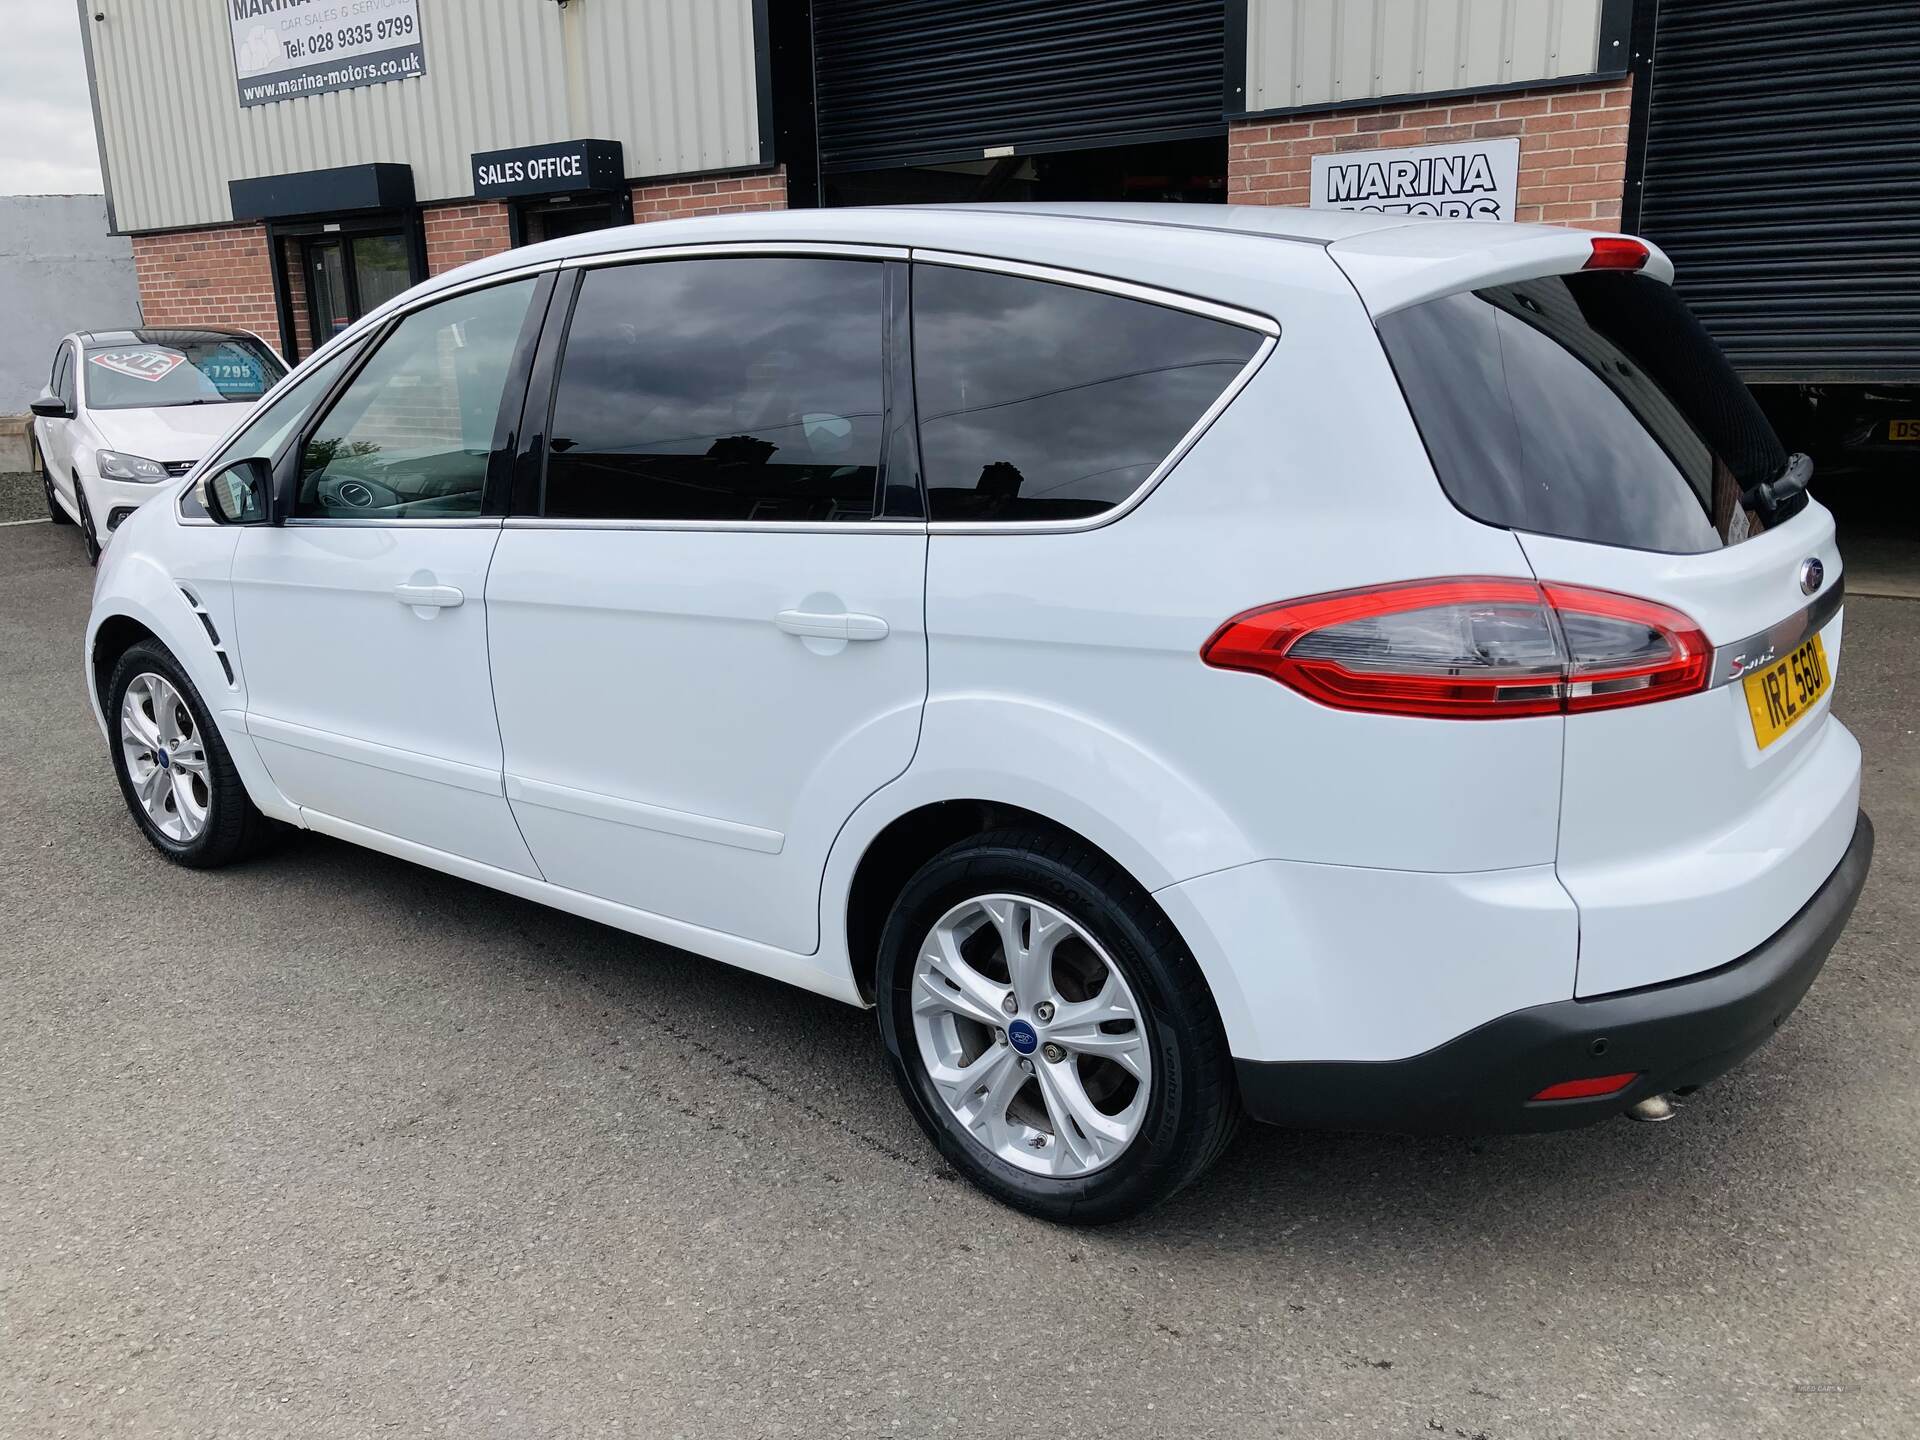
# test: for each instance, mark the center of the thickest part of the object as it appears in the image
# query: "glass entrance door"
(348, 275)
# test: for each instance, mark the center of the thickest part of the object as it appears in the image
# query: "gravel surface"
(328, 1145)
(22, 497)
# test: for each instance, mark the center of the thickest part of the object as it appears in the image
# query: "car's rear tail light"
(1471, 648)
(1589, 1089)
(1616, 252)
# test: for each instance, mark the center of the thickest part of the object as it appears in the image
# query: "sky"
(46, 119)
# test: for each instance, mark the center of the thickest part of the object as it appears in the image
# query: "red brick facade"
(1573, 147)
(682, 199)
(225, 276)
(207, 277)
(459, 233)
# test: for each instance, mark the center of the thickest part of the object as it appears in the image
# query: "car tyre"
(55, 511)
(1191, 1110)
(87, 531)
(212, 822)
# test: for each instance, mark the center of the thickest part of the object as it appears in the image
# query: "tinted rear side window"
(721, 389)
(1049, 402)
(1588, 406)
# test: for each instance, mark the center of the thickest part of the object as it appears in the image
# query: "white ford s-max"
(1170, 662)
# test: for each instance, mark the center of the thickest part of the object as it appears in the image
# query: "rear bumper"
(1677, 1034)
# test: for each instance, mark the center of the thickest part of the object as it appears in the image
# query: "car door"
(707, 639)
(362, 618)
(55, 436)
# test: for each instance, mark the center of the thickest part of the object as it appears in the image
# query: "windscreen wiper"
(1773, 497)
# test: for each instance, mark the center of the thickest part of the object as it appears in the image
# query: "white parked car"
(1167, 661)
(125, 410)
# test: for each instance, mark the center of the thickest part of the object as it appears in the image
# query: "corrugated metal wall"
(1323, 52)
(1780, 164)
(673, 80)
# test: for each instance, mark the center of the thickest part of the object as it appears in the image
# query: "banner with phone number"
(283, 49)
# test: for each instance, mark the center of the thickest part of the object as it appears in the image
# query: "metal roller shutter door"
(1782, 148)
(918, 82)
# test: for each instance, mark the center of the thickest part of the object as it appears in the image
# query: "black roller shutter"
(919, 82)
(1782, 174)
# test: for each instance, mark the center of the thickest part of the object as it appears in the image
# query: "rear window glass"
(1588, 406)
(189, 370)
(1041, 401)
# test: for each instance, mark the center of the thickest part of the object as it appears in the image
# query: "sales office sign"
(548, 169)
(1473, 180)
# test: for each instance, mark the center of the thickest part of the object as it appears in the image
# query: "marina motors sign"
(283, 49)
(1474, 180)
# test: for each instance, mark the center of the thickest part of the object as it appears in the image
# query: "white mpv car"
(126, 410)
(1169, 661)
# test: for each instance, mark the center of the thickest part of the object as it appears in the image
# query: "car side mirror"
(241, 493)
(49, 406)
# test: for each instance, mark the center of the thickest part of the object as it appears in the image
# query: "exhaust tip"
(1652, 1110)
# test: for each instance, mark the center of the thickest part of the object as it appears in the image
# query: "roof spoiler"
(1392, 269)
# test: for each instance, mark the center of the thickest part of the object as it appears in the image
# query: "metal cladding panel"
(903, 82)
(675, 81)
(1782, 144)
(1330, 52)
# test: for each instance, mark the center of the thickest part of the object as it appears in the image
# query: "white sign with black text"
(1471, 180)
(283, 49)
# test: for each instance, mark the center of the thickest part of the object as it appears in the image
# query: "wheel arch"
(113, 636)
(906, 842)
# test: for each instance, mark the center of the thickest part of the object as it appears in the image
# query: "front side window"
(63, 374)
(272, 425)
(729, 388)
(1591, 407)
(1043, 401)
(185, 369)
(412, 434)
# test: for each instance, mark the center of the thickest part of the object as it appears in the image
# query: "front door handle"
(436, 597)
(831, 626)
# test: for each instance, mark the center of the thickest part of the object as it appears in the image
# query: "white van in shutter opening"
(1473, 180)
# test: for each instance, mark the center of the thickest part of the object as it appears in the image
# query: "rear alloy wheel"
(55, 511)
(87, 532)
(1050, 1030)
(1061, 1093)
(174, 769)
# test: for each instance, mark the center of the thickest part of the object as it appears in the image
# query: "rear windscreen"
(1590, 406)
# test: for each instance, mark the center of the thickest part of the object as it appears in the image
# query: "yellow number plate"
(1903, 430)
(1780, 694)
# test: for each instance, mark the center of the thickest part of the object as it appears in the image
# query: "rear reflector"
(1616, 252)
(1588, 1089)
(1469, 648)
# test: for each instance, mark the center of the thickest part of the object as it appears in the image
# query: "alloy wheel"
(1031, 1035)
(166, 759)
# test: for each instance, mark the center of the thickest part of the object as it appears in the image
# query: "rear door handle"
(438, 597)
(831, 626)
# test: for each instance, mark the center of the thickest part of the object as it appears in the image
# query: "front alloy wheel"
(165, 758)
(174, 769)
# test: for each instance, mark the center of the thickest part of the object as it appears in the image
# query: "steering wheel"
(349, 492)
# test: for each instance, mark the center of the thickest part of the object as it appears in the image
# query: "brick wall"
(1573, 147)
(682, 199)
(459, 233)
(207, 277)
